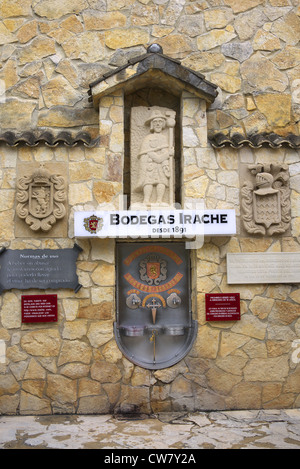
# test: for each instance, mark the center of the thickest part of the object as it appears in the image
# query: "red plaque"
(39, 308)
(222, 306)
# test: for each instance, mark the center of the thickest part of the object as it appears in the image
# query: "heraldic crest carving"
(266, 200)
(41, 199)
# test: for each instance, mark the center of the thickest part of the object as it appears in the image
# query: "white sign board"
(154, 224)
(2, 351)
(263, 267)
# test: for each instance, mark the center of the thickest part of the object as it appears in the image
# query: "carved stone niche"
(152, 157)
(41, 200)
(265, 199)
(153, 79)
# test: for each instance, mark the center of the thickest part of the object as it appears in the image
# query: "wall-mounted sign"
(154, 224)
(222, 306)
(263, 267)
(39, 308)
(39, 268)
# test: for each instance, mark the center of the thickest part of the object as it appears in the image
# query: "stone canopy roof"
(153, 69)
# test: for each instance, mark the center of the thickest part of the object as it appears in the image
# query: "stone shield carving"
(41, 198)
(266, 200)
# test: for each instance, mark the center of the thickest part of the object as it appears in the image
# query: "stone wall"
(75, 366)
(247, 364)
(50, 52)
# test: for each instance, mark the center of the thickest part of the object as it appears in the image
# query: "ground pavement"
(251, 429)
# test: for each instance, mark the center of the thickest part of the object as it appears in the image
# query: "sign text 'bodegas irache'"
(156, 223)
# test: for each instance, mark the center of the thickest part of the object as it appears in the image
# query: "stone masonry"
(50, 52)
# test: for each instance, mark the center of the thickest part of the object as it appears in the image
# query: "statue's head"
(157, 121)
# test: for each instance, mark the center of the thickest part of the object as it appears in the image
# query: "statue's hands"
(153, 156)
(163, 155)
(158, 158)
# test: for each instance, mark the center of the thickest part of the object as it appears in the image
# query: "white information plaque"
(263, 267)
(154, 224)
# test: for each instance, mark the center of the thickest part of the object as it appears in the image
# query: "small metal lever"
(173, 301)
(133, 301)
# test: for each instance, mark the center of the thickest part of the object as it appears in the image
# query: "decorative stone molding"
(257, 140)
(41, 198)
(266, 200)
(32, 139)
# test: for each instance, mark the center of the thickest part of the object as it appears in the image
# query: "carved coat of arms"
(41, 198)
(266, 200)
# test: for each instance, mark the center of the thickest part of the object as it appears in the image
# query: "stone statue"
(153, 161)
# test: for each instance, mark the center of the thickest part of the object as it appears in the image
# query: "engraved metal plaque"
(39, 308)
(154, 327)
(39, 268)
(222, 306)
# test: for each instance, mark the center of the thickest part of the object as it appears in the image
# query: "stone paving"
(251, 429)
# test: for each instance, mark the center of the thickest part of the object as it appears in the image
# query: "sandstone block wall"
(50, 52)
